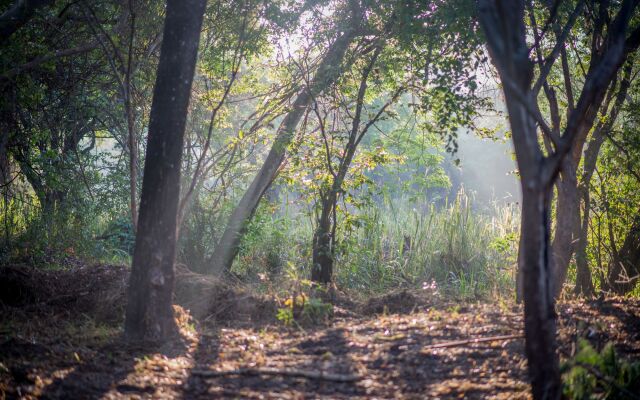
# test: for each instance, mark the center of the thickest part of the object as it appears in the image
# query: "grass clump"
(454, 249)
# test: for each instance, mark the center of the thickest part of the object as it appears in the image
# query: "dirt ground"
(429, 349)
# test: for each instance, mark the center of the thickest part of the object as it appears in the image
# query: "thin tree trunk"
(131, 126)
(323, 252)
(584, 281)
(624, 268)
(133, 169)
(324, 236)
(328, 71)
(149, 308)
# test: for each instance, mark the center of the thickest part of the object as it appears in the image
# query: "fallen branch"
(319, 375)
(472, 341)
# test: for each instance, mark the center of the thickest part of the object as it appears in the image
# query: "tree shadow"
(108, 370)
(206, 353)
(400, 360)
(328, 352)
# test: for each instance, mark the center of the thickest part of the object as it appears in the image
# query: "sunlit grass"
(458, 250)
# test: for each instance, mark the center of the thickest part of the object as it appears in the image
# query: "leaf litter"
(410, 347)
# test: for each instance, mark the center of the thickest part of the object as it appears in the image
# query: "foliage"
(303, 310)
(65, 169)
(600, 375)
(466, 254)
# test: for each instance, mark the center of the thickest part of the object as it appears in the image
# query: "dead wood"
(457, 343)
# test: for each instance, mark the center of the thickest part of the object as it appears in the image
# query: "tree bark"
(149, 314)
(567, 223)
(131, 124)
(540, 316)
(328, 71)
(323, 252)
(584, 282)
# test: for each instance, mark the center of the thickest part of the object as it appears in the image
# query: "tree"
(328, 70)
(584, 281)
(324, 235)
(425, 36)
(506, 34)
(589, 40)
(149, 309)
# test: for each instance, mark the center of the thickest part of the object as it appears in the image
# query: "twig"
(472, 341)
(319, 375)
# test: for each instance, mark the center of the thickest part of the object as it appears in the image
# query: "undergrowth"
(455, 249)
(600, 375)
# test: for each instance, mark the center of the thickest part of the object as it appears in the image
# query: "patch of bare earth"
(426, 350)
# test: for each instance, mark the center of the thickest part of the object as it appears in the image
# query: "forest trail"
(422, 353)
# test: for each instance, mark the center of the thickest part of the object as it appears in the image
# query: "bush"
(464, 252)
(593, 375)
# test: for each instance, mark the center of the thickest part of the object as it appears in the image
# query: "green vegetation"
(600, 375)
(318, 152)
(463, 253)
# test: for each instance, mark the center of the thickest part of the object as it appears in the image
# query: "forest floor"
(67, 346)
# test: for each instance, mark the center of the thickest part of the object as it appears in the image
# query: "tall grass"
(50, 239)
(462, 251)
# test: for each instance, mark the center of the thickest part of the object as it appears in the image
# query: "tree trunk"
(584, 282)
(322, 269)
(328, 71)
(572, 229)
(567, 223)
(624, 268)
(149, 309)
(519, 277)
(133, 168)
(506, 34)
(539, 312)
(131, 125)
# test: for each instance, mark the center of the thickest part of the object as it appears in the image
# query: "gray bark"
(503, 25)
(149, 314)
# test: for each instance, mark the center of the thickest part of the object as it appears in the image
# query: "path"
(387, 356)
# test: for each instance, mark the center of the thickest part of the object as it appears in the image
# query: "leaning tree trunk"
(328, 71)
(149, 308)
